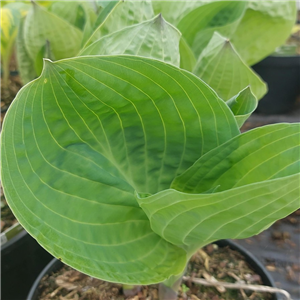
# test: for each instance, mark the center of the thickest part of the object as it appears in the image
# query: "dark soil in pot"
(220, 260)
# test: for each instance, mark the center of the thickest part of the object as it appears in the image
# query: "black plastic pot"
(22, 259)
(282, 74)
(55, 265)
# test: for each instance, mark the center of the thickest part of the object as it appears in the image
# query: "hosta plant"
(123, 166)
(216, 40)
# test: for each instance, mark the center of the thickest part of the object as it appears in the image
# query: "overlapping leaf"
(70, 11)
(154, 38)
(25, 62)
(81, 139)
(266, 25)
(194, 220)
(174, 11)
(254, 179)
(261, 154)
(122, 14)
(187, 57)
(199, 25)
(242, 105)
(221, 67)
(41, 26)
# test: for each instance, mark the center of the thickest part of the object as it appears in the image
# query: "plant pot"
(55, 265)
(282, 75)
(22, 259)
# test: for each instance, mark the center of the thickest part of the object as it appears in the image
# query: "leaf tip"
(47, 63)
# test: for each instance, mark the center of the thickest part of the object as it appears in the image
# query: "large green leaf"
(265, 26)
(243, 105)
(83, 138)
(194, 220)
(154, 38)
(120, 15)
(261, 154)
(221, 67)
(199, 25)
(41, 26)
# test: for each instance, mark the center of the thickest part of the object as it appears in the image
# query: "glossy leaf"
(261, 154)
(198, 26)
(242, 105)
(122, 14)
(41, 26)
(266, 25)
(83, 138)
(194, 220)
(221, 67)
(154, 38)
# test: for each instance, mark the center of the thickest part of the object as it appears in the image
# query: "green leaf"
(187, 57)
(242, 105)
(221, 67)
(105, 12)
(41, 26)
(124, 13)
(26, 65)
(198, 26)
(194, 220)
(261, 154)
(154, 38)
(70, 11)
(45, 51)
(265, 26)
(105, 3)
(174, 11)
(89, 133)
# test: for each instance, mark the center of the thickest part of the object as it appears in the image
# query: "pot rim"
(56, 264)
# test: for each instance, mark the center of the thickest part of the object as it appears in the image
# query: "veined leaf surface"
(265, 25)
(221, 67)
(199, 25)
(41, 26)
(123, 14)
(260, 154)
(174, 11)
(83, 138)
(242, 105)
(154, 38)
(194, 220)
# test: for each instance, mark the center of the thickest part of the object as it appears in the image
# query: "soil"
(221, 263)
(8, 93)
(7, 217)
